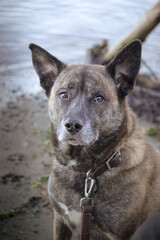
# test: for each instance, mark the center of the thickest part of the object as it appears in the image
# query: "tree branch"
(151, 18)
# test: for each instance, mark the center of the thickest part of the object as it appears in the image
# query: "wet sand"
(26, 159)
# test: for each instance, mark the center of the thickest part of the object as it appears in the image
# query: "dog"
(91, 122)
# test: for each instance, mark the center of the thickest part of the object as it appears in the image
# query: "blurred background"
(66, 29)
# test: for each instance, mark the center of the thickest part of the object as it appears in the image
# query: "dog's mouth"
(75, 142)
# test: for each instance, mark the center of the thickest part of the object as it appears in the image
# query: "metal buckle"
(108, 161)
(89, 188)
(108, 166)
(89, 184)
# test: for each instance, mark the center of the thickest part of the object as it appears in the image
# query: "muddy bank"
(25, 211)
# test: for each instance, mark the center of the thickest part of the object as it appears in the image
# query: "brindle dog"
(91, 120)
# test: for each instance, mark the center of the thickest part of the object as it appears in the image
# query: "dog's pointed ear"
(46, 66)
(125, 67)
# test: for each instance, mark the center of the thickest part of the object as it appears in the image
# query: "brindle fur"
(128, 194)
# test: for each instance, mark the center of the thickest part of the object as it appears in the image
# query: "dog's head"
(86, 102)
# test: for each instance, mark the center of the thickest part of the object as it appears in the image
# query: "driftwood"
(101, 54)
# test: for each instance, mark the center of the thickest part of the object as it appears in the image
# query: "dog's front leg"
(60, 229)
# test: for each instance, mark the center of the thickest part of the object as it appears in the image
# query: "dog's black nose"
(73, 126)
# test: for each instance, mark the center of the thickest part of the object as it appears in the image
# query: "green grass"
(41, 181)
(152, 132)
(6, 148)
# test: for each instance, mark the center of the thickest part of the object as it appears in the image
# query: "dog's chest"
(73, 216)
(66, 202)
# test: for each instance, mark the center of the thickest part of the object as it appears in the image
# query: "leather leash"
(87, 203)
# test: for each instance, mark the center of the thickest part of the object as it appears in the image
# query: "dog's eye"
(63, 95)
(99, 99)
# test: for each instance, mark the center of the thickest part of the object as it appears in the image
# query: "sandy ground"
(25, 163)
(25, 211)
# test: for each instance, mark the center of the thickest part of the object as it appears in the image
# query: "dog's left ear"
(46, 66)
(125, 67)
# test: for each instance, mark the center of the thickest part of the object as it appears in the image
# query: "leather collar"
(109, 164)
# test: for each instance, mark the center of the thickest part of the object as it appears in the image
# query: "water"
(66, 29)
